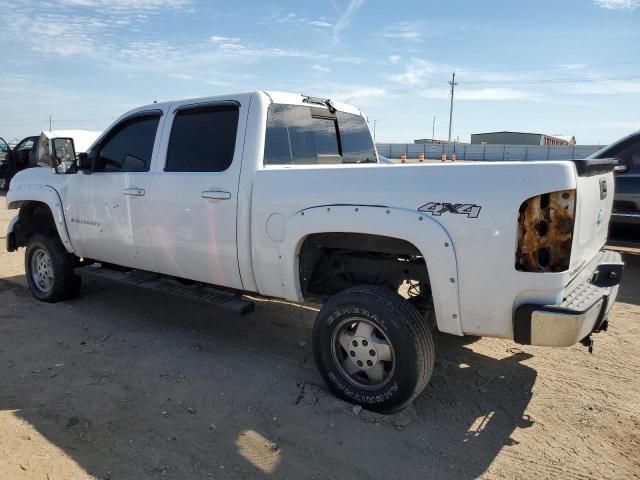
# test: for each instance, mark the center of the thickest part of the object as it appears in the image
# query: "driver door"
(107, 209)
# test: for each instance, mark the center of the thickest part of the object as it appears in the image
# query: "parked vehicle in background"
(626, 202)
(5, 152)
(15, 159)
(281, 195)
(27, 153)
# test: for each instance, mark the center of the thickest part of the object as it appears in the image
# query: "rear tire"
(49, 270)
(373, 348)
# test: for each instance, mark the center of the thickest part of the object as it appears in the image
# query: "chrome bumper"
(583, 311)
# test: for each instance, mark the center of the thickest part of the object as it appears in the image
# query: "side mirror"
(63, 155)
(622, 167)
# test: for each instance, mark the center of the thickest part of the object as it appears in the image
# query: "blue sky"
(567, 67)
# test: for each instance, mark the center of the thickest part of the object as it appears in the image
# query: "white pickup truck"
(281, 195)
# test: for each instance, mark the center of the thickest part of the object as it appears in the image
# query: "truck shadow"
(129, 384)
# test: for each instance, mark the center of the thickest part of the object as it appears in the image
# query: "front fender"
(20, 194)
(425, 233)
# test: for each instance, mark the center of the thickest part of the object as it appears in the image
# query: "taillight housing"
(545, 232)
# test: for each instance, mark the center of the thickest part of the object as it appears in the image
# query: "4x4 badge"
(437, 209)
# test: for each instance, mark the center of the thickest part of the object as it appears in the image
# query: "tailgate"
(594, 202)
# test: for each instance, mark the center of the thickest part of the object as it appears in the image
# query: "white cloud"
(496, 94)
(354, 93)
(181, 76)
(395, 59)
(321, 69)
(618, 4)
(573, 66)
(222, 39)
(604, 87)
(120, 6)
(320, 23)
(415, 73)
(344, 21)
(407, 31)
(301, 21)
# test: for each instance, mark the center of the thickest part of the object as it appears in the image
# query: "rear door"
(194, 197)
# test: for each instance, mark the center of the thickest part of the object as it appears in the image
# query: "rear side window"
(129, 146)
(203, 139)
(299, 135)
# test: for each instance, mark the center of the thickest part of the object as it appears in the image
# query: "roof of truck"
(298, 99)
(276, 97)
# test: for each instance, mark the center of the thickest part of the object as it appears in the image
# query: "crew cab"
(281, 195)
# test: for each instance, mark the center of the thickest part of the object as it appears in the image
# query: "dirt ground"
(126, 384)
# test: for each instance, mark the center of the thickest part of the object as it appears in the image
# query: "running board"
(158, 283)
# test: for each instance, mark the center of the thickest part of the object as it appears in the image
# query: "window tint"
(203, 139)
(128, 148)
(357, 145)
(303, 135)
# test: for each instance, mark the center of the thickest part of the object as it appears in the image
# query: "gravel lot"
(125, 384)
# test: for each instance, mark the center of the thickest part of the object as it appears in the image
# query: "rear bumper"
(584, 310)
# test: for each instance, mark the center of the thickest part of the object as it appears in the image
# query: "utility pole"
(374, 130)
(453, 84)
(433, 129)
(49, 122)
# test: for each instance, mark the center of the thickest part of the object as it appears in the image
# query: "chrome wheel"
(42, 270)
(363, 353)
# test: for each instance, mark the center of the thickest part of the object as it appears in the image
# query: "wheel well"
(34, 217)
(332, 262)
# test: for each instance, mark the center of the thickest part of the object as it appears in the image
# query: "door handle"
(134, 191)
(216, 195)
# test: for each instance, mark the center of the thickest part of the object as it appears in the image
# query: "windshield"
(299, 135)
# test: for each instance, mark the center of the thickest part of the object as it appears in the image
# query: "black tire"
(64, 285)
(406, 332)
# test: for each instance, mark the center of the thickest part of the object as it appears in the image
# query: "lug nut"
(359, 363)
(372, 352)
(364, 343)
(370, 363)
(352, 353)
(354, 343)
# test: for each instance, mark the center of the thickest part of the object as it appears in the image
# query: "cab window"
(300, 135)
(203, 138)
(129, 146)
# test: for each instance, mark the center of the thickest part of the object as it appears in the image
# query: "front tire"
(49, 270)
(373, 348)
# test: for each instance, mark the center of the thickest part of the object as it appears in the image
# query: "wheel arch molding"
(425, 233)
(24, 195)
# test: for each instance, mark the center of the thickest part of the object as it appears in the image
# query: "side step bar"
(154, 281)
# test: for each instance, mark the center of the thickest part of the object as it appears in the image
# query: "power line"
(550, 67)
(501, 83)
(552, 80)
